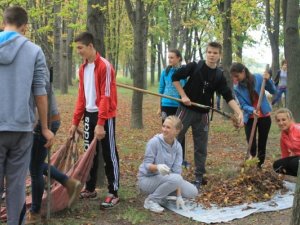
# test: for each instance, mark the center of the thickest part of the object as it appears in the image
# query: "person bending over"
(247, 92)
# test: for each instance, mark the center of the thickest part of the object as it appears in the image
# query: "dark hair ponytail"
(249, 80)
(178, 54)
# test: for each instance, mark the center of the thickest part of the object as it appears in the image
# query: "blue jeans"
(279, 93)
(38, 167)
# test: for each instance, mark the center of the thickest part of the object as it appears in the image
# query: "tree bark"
(64, 69)
(70, 38)
(114, 16)
(292, 55)
(240, 43)
(225, 9)
(158, 61)
(57, 44)
(152, 60)
(174, 22)
(273, 32)
(139, 20)
(96, 23)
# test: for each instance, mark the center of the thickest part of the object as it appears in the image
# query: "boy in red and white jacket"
(97, 105)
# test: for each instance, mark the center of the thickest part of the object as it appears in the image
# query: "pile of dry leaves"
(249, 185)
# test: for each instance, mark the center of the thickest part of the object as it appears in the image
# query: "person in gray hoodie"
(23, 73)
(160, 173)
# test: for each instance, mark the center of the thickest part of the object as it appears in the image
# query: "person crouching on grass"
(289, 143)
(160, 173)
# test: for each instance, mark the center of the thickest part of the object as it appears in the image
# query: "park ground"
(226, 151)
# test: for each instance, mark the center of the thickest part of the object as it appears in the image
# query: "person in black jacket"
(204, 79)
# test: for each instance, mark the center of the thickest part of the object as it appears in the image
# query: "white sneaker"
(153, 206)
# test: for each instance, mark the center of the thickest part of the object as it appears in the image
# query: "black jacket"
(201, 86)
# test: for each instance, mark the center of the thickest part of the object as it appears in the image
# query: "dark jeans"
(263, 127)
(200, 127)
(38, 167)
(169, 111)
(279, 93)
(288, 165)
(109, 152)
(218, 101)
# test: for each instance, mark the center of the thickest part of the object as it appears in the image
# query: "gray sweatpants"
(159, 187)
(15, 150)
(200, 126)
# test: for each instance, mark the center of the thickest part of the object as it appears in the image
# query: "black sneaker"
(197, 183)
(204, 181)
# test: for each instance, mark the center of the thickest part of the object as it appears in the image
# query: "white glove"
(180, 203)
(163, 169)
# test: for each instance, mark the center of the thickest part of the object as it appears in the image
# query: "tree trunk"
(70, 38)
(57, 46)
(174, 22)
(292, 54)
(41, 38)
(227, 45)
(114, 16)
(64, 69)
(152, 60)
(295, 220)
(158, 62)
(96, 23)
(139, 21)
(273, 32)
(240, 42)
(187, 33)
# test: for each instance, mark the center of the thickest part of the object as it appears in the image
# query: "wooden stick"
(261, 94)
(49, 152)
(175, 99)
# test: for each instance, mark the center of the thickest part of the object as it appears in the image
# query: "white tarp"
(216, 215)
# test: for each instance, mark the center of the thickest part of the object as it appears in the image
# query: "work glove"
(180, 203)
(163, 169)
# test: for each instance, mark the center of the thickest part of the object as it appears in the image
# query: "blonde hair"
(176, 122)
(285, 111)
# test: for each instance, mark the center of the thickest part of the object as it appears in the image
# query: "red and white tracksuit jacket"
(106, 91)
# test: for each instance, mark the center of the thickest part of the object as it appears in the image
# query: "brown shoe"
(85, 194)
(33, 218)
(73, 187)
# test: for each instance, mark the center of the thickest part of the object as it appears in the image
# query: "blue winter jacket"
(166, 87)
(243, 96)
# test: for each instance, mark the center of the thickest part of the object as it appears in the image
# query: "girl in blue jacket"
(169, 107)
(247, 92)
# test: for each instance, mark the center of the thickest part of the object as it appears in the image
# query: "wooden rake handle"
(261, 94)
(172, 98)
